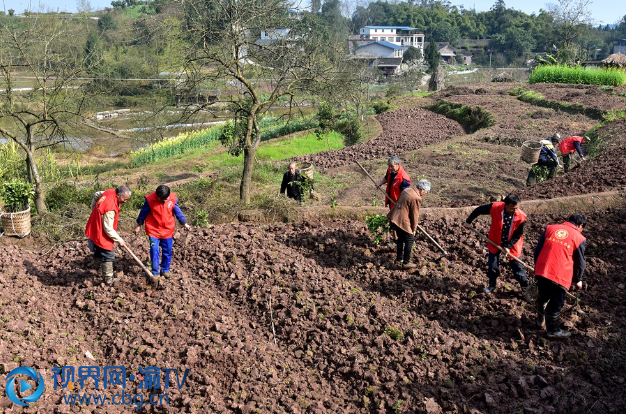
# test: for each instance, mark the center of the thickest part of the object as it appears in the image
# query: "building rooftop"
(385, 44)
(391, 27)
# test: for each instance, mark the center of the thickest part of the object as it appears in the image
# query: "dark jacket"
(290, 184)
(547, 152)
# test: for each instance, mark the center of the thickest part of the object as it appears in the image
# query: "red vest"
(160, 222)
(495, 232)
(393, 189)
(556, 258)
(95, 230)
(567, 145)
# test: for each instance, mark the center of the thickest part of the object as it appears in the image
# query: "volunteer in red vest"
(158, 213)
(102, 228)
(559, 259)
(507, 231)
(396, 179)
(567, 148)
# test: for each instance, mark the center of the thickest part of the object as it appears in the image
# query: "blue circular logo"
(24, 386)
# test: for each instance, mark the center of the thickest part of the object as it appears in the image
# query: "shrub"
(63, 194)
(471, 117)
(380, 106)
(350, 128)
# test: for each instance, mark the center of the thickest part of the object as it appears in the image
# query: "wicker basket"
(530, 151)
(307, 169)
(16, 224)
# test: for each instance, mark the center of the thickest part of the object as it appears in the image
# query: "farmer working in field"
(292, 183)
(547, 158)
(403, 219)
(396, 179)
(507, 228)
(158, 211)
(567, 148)
(559, 257)
(102, 228)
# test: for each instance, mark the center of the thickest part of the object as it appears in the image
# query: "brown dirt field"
(471, 169)
(604, 98)
(352, 334)
(334, 301)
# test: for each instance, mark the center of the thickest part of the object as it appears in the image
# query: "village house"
(397, 35)
(380, 49)
(621, 48)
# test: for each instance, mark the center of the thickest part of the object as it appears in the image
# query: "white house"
(621, 48)
(276, 33)
(380, 49)
(397, 35)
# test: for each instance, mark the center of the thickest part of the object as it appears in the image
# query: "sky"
(603, 11)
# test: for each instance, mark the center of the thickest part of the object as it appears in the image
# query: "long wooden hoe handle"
(532, 269)
(390, 200)
(148, 273)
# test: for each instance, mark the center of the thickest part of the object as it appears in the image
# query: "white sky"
(603, 11)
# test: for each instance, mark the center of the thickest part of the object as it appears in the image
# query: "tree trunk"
(40, 196)
(246, 179)
(248, 156)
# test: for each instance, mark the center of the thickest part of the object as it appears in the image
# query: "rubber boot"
(541, 316)
(106, 269)
(553, 324)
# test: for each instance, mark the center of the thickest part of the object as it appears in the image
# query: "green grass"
(577, 75)
(190, 141)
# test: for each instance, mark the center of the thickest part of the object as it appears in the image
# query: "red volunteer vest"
(567, 145)
(556, 259)
(495, 232)
(160, 222)
(95, 230)
(393, 189)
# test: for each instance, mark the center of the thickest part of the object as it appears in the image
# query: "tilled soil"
(604, 98)
(403, 130)
(351, 334)
(605, 172)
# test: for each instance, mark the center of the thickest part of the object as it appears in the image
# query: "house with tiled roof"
(381, 49)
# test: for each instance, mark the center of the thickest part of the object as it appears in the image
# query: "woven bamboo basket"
(530, 151)
(307, 169)
(16, 224)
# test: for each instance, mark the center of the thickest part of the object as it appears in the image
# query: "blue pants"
(166, 249)
(493, 270)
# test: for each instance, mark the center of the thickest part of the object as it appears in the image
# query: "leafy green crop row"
(577, 75)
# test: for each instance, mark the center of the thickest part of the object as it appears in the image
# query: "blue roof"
(391, 27)
(386, 44)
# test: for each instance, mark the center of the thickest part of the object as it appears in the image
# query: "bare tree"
(289, 60)
(572, 18)
(41, 62)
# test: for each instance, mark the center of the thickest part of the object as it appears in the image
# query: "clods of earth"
(312, 317)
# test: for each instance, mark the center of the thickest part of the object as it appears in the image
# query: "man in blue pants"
(158, 212)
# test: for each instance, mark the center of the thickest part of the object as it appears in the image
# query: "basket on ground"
(307, 169)
(16, 224)
(530, 151)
